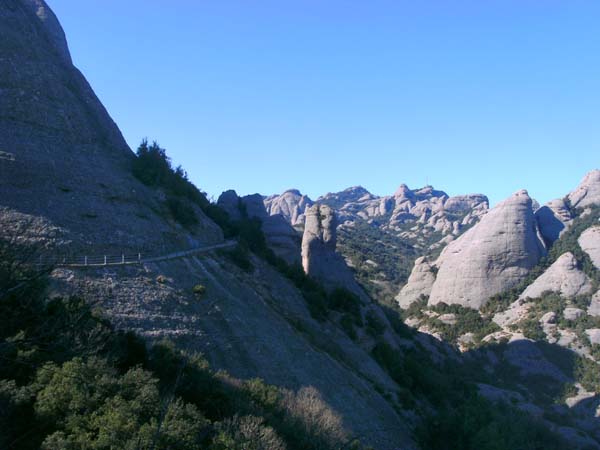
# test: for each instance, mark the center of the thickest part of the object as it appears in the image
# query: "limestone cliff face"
(62, 158)
(562, 277)
(319, 257)
(491, 257)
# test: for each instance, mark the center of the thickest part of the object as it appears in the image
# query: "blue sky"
(260, 96)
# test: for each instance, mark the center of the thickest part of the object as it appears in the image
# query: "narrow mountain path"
(126, 259)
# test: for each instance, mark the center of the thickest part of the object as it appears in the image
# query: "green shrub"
(345, 301)
(240, 256)
(199, 289)
(182, 212)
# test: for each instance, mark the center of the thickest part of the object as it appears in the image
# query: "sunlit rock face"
(493, 256)
(562, 277)
(588, 191)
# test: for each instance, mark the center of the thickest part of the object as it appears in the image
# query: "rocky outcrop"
(588, 191)
(52, 27)
(291, 205)
(491, 257)
(281, 237)
(594, 308)
(419, 283)
(553, 218)
(562, 277)
(319, 257)
(426, 207)
(230, 203)
(589, 241)
(63, 159)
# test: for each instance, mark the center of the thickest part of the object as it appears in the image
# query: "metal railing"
(123, 259)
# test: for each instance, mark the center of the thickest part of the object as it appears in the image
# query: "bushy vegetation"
(467, 320)
(69, 380)
(153, 167)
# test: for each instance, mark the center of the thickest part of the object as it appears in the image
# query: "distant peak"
(402, 191)
(592, 177)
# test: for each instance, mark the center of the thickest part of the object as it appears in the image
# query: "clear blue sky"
(260, 96)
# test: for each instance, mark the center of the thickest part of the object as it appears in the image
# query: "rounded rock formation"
(562, 277)
(491, 257)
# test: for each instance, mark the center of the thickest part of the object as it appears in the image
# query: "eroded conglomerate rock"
(281, 237)
(419, 283)
(291, 205)
(319, 258)
(553, 218)
(491, 257)
(589, 241)
(588, 191)
(563, 277)
(594, 308)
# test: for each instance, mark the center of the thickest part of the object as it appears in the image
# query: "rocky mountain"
(291, 205)
(381, 237)
(495, 255)
(237, 282)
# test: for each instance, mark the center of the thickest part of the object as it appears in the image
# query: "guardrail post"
(139, 258)
(104, 259)
(86, 260)
(122, 259)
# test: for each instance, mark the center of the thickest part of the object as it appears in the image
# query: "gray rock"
(593, 335)
(594, 308)
(230, 203)
(51, 26)
(588, 191)
(589, 241)
(281, 237)
(319, 258)
(573, 313)
(562, 277)
(548, 318)
(291, 205)
(419, 283)
(491, 257)
(448, 319)
(553, 218)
